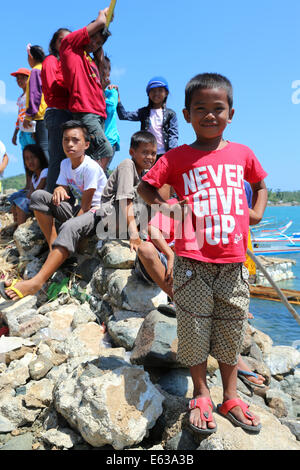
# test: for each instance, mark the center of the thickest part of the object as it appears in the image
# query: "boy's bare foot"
(29, 287)
(195, 415)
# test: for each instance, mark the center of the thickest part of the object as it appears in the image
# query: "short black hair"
(37, 52)
(76, 125)
(142, 137)
(208, 80)
(52, 46)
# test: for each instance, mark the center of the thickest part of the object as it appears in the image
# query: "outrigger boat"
(271, 241)
(268, 293)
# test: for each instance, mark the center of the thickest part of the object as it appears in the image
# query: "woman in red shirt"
(57, 99)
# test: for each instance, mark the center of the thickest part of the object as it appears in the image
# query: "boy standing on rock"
(211, 291)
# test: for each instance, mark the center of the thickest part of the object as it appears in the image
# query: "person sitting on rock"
(85, 179)
(121, 208)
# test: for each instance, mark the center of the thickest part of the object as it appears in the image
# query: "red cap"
(21, 71)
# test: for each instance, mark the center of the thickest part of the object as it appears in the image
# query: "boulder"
(117, 254)
(156, 342)
(123, 328)
(30, 240)
(86, 339)
(126, 291)
(282, 359)
(115, 407)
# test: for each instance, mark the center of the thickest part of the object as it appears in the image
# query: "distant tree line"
(14, 182)
(274, 195)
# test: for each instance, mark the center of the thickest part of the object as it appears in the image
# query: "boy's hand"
(169, 272)
(102, 16)
(176, 211)
(26, 124)
(59, 195)
(135, 243)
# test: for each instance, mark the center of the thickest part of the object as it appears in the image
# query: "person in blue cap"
(156, 117)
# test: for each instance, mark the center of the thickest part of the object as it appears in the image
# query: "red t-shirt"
(215, 229)
(81, 75)
(55, 93)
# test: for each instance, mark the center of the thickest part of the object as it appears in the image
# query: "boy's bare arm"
(151, 196)
(259, 202)
(86, 201)
(126, 206)
(99, 23)
(4, 163)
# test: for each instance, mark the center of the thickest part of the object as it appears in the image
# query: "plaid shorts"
(212, 304)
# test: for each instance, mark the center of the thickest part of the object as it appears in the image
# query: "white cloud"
(8, 107)
(117, 72)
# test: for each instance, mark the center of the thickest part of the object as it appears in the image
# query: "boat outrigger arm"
(274, 285)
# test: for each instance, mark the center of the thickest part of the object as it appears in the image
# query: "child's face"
(74, 143)
(61, 36)
(32, 163)
(96, 41)
(105, 76)
(22, 80)
(209, 113)
(144, 156)
(158, 95)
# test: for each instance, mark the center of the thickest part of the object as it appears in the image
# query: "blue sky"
(255, 44)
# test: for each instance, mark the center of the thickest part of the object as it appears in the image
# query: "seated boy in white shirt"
(83, 177)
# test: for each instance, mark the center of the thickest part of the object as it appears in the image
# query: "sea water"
(273, 318)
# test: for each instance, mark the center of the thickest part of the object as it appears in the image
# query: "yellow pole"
(110, 12)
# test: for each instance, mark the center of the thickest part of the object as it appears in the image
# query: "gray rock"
(123, 327)
(22, 442)
(109, 407)
(116, 254)
(293, 425)
(29, 239)
(62, 438)
(182, 441)
(177, 382)
(282, 359)
(126, 291)
(6, 425)
(39, 367)
(156, 343)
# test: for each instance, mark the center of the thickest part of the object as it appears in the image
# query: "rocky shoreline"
(96, 367)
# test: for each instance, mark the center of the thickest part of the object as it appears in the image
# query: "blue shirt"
(111, 131)
(249, 193)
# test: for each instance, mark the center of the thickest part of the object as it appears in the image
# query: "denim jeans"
(41, 136)
(54, 118)
(99, 145)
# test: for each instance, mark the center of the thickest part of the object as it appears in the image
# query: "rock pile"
(99, 370)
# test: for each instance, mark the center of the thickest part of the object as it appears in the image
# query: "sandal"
(4, 288)
(243, 373)
(205, 406)
(224, 410)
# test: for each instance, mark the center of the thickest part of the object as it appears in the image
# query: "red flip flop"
(205, 406)
(224, 410)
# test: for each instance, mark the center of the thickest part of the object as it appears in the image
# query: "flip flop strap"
(229, 404)
(246, 372)
(203, 404)
(11, 287)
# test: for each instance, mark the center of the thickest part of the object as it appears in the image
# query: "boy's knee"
(146, 250)
(37, 196)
